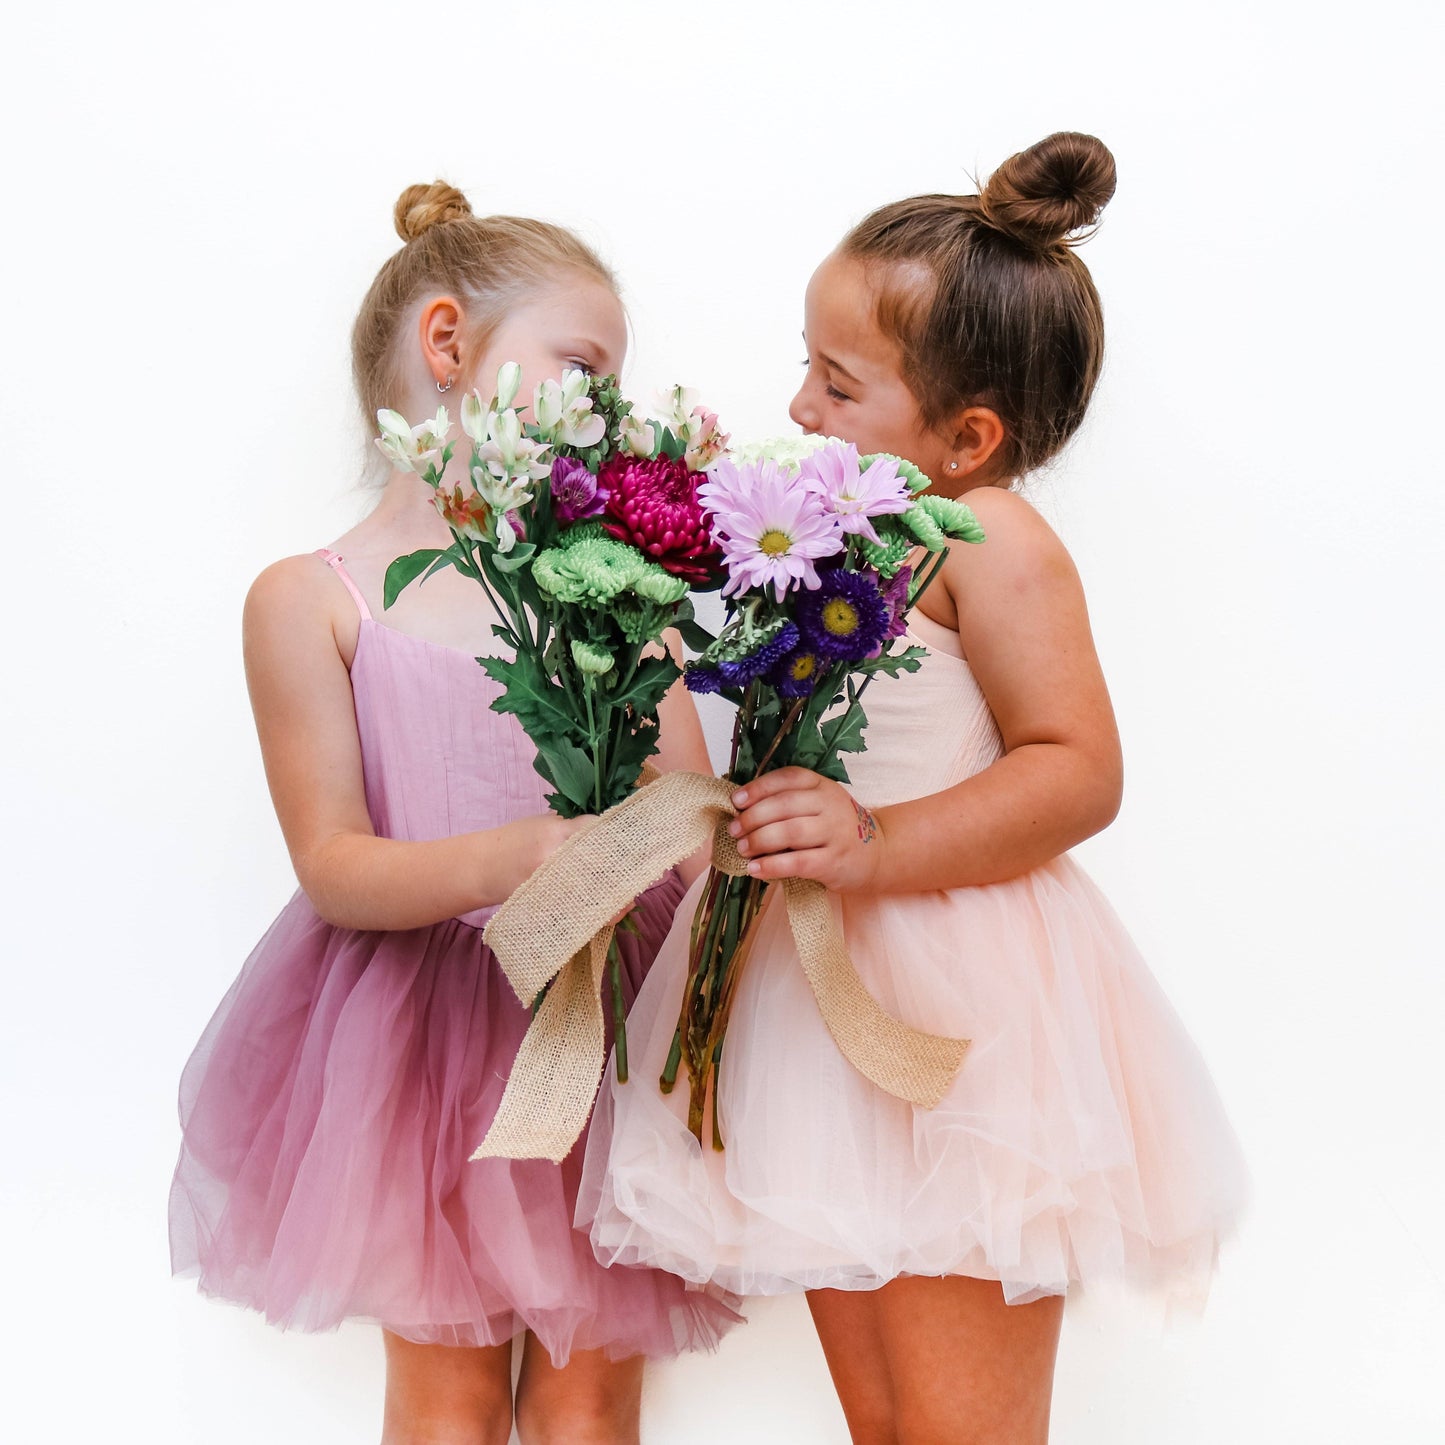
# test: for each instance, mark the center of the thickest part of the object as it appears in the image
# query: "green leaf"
(516, 559)
(569, 768)
(631, 753)
(694, 635)
(845, 735)
(405, 570)
(648, 686)
(892, 664)
(537, 704)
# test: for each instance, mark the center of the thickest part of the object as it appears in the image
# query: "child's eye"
(835, 394)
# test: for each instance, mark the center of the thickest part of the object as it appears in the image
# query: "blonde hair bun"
(419, 208)
(1045, 193)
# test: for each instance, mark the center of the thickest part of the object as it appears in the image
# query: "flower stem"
(784, 728)
(619, 1010)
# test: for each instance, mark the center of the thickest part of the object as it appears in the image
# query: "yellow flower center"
(803, 666)
(774, 543)
(840, 617)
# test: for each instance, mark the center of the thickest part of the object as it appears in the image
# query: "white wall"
(195, 198)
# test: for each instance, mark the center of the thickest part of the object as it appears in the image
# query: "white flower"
(410, 448)
(476, 419)
(509, 381)
(563, 411)
(502, 494)
(704, 441)
(507, 453)
(788, 452)
(636, 437)
(673, 406)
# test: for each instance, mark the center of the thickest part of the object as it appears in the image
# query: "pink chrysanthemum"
(851, 494)
(772, 529)
(654, 505)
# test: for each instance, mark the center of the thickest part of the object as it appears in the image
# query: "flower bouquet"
(584, 528)
(816, 542)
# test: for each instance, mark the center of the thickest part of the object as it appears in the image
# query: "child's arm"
(1025, 631)
(682, 747)
(301, 695)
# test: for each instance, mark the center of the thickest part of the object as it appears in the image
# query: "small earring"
(447, 387)
(952, 466)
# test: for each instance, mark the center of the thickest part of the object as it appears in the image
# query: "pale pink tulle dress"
(1081, 1143)
(329, 1109)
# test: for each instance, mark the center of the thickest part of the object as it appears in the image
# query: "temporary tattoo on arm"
(867, 827)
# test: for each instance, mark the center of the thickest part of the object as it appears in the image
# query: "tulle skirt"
(1082, 1141)
(329, 1112)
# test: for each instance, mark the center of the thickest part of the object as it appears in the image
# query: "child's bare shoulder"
(1018, 543)
(292, 587)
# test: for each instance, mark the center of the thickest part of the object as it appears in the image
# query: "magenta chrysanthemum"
(653, 504)
(772, 529)
(851, 494)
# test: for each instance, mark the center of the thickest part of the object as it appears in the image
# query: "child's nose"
(802, 410)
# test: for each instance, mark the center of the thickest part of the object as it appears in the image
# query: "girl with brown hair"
(1081, 1141)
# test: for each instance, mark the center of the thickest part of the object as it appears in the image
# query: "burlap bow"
(556, 926)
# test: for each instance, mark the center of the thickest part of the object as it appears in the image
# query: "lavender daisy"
(852, 494)
(771, 529)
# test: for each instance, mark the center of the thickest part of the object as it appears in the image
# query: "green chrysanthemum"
(639, 620)
(589, 570)
(922, 525)
(891, 552)
(915, 479)
(591, 659)
(955, 519)
(657, 584)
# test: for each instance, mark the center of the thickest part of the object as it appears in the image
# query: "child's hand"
(795, 824)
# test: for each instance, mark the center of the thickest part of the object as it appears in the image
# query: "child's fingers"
(808, 863)
(780, 781)
(786, 835)
(794, 803)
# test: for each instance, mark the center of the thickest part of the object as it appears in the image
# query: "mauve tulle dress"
(330, 1107)
(1082, 1142)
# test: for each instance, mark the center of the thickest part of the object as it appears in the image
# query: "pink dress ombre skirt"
(329, 1110)
(1081, 1143)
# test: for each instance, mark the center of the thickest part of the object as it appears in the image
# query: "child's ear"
(440, 333)
(978, 438)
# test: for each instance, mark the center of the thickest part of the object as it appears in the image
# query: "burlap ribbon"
(557, 926)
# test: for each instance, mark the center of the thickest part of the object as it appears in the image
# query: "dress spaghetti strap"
(333, 560)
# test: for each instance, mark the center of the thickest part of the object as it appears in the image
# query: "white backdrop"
(196, 198)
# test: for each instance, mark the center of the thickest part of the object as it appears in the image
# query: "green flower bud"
(592, 660)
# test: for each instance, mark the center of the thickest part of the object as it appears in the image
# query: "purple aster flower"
(895, 598)
(740, 671)
(771, 528)
(797, 674)
(698, 678)
(846, 618)
(852, 495)
(576, 493)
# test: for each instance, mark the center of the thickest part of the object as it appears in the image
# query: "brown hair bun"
(1052, 189)
(419, 208)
